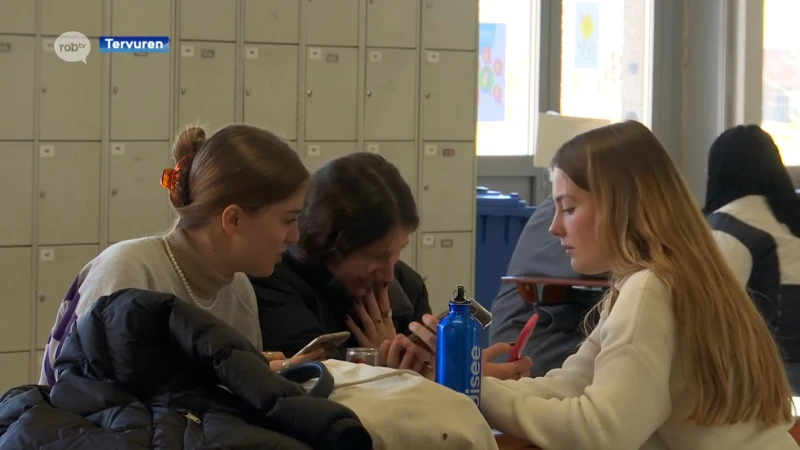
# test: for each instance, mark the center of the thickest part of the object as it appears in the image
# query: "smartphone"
(523, 338)
(329, 342)
(482, 314)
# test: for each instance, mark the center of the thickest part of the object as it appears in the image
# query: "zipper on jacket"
(192, 417)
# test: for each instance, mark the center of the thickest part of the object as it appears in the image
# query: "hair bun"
(188, 143)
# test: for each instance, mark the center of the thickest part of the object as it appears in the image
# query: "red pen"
(522, 340)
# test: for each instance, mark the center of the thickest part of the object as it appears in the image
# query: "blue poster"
(492, 72)
(587, 44)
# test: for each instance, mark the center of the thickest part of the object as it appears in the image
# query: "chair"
(554, 290)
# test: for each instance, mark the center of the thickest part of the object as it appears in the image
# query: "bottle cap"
(461, 297)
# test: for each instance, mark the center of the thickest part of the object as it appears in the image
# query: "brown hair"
(239, 164)
(648, 219)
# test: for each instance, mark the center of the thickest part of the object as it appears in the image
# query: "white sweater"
(623, 389)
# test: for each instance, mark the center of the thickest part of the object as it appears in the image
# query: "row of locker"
(139, 94)
(445, 24)
(15, 369)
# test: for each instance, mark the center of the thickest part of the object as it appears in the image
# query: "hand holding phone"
(329, 342)
(522, 340)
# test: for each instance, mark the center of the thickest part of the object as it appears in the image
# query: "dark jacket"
(146, 370)
(301, 301)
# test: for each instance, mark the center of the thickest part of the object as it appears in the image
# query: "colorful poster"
(491, 72)
(587, 45)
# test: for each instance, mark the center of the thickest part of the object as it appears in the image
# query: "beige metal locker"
(390, 111)
(331, 93)
(138, 205)
(15, 300)
(445, 262)
(332, 22)
(16, 86)
(402, 155)
(68, 87)
(140, 96)
(14, 370)
(207, 79)
(16, 193)
(57, 268)
(270, 88)
(449, 102)
(392, 23)
(141, 17)
(38, 366)
(208, 20)
(447, 203)
(316, 154)
(69, 193)
(84, 16)
(272, 21)
(449, 24)
(18, 17)
(408, 255)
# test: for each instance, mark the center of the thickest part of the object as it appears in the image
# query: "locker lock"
(42, 194)
(42, 298)
(115, 89)
(113, 192)
(425, 187)
(308, 92)
(369, 93)
(247, 92)
(44, 89)
(427, 95)
(183, 91)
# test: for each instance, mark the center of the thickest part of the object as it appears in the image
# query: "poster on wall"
(587, 42)
(491, 72)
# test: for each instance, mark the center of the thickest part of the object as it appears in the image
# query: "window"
(505, 78)
(607, 59)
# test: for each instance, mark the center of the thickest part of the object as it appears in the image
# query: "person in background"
(755, 213)
(237, 195)
(345, 273)
(680, 357)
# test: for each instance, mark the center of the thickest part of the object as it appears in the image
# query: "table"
(511, 443)
(554, 289)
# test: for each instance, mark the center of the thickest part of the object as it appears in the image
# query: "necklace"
(183, 279)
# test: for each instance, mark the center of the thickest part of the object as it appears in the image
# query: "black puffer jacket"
(144, 370)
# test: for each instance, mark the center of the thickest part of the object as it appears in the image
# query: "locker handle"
(42, 298)
(247, 92)
(42, 194)
(427, 95)
(113, 192)
(183, 91)
(425, 187)
(44, 89)
(308, 92)
(369, 93)
(115, 89)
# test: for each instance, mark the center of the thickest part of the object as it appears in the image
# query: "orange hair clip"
(171, 178)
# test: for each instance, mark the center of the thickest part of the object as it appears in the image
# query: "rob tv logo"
(73, 46)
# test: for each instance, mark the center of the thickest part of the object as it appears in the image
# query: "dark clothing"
(146, 370)
(301, 301)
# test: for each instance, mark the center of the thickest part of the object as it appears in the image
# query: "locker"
(15, 301)
(141, 17)
(331, 93)
(450, 24)
(270, 88)
(207, 77)
(69, 192)
(16, 86)
(409, 252)
(402, 154)
(66, 88)
(445, 262)
(37, 371)
(14, 370)
(316, 154)
(390, 100)
(392, 23)
(272, 21)
(138, 205)
(208, 20)
(332, 22)
(16, 200)
(85, 16)
(447, 203)
(57, 267)
(140, 96)
(449, 102)
(18, 17)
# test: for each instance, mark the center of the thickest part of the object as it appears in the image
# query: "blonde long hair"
(648, 219)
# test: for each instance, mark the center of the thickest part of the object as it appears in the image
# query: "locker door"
(14, 370)
(141, 17)
(208, 20)
(445, 262)
(207, 77)
(408, 255)
(331, 94)
(19, 17)
(38, 368)
(140, 96)
(332, 22)
(69, 193)
(16, 298)
(449, 24)
(138, 205)
(316, 154)
(57, 268)
(402, 155)
(16, 86)
(270, 88)
(390, 104)
(66, 88)
(448, 202)
(16, 186)
(448, 101)
(272, 21)
(392, 23)
(85, 16)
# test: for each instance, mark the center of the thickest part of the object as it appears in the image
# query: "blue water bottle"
(458, 352)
